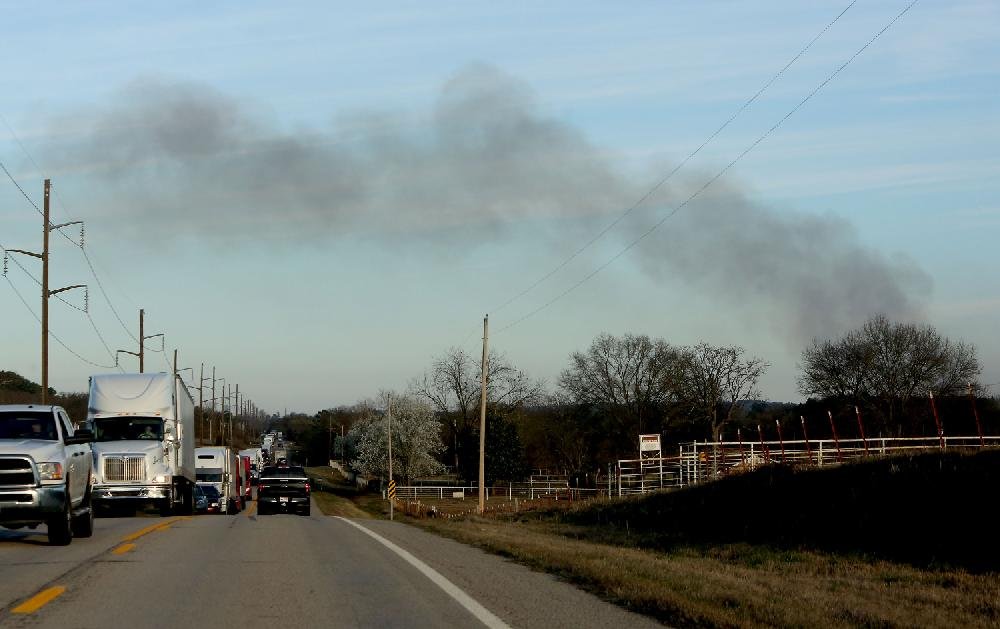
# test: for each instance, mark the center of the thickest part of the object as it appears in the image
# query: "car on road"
(213, 499)
(283, 489)
(45, 472)
(200, 500)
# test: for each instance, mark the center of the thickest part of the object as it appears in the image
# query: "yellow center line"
(150, 529)
(124, 548)
(39, 600)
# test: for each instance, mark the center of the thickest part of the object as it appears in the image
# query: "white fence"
(698, 462)
(558, 490)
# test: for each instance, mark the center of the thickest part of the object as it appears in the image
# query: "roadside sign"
(649, 443)
(392, 490)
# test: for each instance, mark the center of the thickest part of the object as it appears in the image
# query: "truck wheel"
(60, 526)
(83, 522)
(167, 506)
(188, 508)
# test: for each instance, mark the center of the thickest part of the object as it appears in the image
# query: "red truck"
(246, 488)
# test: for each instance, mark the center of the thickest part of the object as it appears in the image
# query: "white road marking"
(484, 615)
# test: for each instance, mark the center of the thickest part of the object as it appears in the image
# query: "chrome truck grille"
(16, 472)
(124, 468)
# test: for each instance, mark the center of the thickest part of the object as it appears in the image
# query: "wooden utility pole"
(482, 417)
(142, 339)
(46, 293)
(201, 398)
(211, 418)
(389, 409)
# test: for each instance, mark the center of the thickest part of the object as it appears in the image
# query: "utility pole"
(201, 397)
(482, 417)
(232, 419)
(141, 355)
(46, 293)
(142, 338)
(389, 398)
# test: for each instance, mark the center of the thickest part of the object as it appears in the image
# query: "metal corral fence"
(698, 462)
(556, 490)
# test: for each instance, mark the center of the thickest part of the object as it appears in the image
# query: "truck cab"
(143, 427)
(45, 472)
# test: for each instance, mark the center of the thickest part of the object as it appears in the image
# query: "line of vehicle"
(484, 615)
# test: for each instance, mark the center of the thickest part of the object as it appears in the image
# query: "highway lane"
(27, 562)
(249, 570)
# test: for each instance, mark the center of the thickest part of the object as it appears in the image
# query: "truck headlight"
(161, 478)
(50, 471)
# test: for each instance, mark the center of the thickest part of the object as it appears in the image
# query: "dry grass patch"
(332, 504)
(741, 585)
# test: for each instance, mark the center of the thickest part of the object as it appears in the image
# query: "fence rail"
(699, 462)
(528, 491)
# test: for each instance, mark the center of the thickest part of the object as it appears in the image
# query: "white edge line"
(484, 615)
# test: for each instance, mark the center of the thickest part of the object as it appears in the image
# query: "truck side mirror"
(80, 436)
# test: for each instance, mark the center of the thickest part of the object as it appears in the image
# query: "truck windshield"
(208, 475)
(128, 428)
(28, 425)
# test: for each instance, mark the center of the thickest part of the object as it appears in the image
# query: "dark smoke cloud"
(183, 159)
(812, 275)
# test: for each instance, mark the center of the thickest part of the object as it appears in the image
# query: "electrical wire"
(659, 184)
(83, 250)
(718, 175)
(51, 333)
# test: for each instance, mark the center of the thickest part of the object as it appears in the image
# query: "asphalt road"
(252, 571)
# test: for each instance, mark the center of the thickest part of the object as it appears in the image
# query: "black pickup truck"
(283, 488)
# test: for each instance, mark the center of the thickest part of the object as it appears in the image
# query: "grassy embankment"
(893, 542)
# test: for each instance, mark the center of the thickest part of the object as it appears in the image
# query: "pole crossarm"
(27, 253)
(65, 288)
(124, 351)
(61, 225)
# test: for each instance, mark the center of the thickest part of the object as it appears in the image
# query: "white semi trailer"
(219, 466)
(143, 426)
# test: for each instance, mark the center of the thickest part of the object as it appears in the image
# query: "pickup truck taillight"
(307, 488)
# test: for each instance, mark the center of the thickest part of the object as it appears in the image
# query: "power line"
(18, 186)
(718, 175)
(83, 250)
(51, 333)
(680, 165)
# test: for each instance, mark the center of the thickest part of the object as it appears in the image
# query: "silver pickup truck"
(45, 471)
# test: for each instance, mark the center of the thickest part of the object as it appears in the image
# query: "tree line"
(623, 386)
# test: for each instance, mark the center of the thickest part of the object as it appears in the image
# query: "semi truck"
(219, 466)
(143, 425)
(45, 467)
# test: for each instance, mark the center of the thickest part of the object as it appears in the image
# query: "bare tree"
(452, 386)
(632, 374)
(887, 363)
(718, 378)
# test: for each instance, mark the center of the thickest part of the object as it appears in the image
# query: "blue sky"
(320, 199)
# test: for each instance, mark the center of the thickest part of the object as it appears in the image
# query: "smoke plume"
(184, 159)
